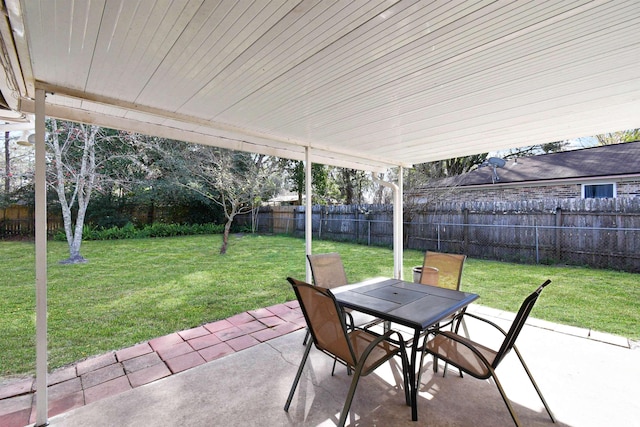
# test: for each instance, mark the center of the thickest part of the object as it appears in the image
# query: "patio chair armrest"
(386, 336)
(400, 341)
(349, 320)
(365, 354)
(483, 320)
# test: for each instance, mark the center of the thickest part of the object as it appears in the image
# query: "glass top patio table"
(406, 303)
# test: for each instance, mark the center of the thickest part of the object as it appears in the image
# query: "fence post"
(369, 233)
(537, 247)
(465, 230)
(558, 233)
(438, 230)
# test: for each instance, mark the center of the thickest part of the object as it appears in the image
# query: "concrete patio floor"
(588, 379)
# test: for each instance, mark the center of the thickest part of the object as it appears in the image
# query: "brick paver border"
(115, 372)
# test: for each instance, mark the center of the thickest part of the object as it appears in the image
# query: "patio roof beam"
(137, 115)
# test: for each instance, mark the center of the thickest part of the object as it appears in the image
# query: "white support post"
(397, 222)
(398, 227)
(41, 262)
(308, 223)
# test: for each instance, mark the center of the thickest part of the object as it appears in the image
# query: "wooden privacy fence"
(19, 221)
(603, 233)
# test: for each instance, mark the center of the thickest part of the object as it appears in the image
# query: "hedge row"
(129, 231)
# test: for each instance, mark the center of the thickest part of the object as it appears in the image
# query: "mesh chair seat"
(457, 349)
(383, 351)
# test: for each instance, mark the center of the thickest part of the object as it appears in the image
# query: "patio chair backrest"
(449, 268)
(324, 319)
(327, 270)
(518, 323)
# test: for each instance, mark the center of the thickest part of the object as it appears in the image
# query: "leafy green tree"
(353, 184)
(619, 137)
(535, 150)
(148, 179)
(295, 173)
(421, 175)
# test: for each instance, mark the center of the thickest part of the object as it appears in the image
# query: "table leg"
(413, 385)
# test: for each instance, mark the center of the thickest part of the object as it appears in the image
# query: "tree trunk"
(84, 183)
(225, 235)
(7, 165)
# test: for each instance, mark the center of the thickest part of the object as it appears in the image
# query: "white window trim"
(615, 187)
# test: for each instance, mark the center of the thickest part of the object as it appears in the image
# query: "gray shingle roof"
(601, 161)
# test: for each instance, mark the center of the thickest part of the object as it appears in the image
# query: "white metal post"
(398, 229)
(308, 223)
(41, 262)
(397, 222)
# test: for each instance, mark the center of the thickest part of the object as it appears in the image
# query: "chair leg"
(464, 328)
(420, 367)
(466, 334)
(446, 366)
(298, 375)
(535, 385)
(505, 399)
(306, 337)
(405, 375)
(350, 394)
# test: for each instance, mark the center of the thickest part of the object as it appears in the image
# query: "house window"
(599, 191)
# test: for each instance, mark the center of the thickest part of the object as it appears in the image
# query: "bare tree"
(236, 181)
(74, 176)
(7, 165)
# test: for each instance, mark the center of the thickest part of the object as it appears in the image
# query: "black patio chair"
(480, 361)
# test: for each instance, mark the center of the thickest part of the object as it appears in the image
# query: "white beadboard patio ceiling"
(367, 84)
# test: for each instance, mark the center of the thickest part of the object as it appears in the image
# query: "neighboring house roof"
(602, 162)
(285, 198)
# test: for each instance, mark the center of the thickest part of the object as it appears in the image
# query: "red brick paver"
(218, 326)
(149, 374)
(216, 351)
(184, 362)
(204, 342)
(242, 342)
(132, 352)
(106, 389)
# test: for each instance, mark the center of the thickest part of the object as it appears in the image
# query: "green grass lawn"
(134, 290)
